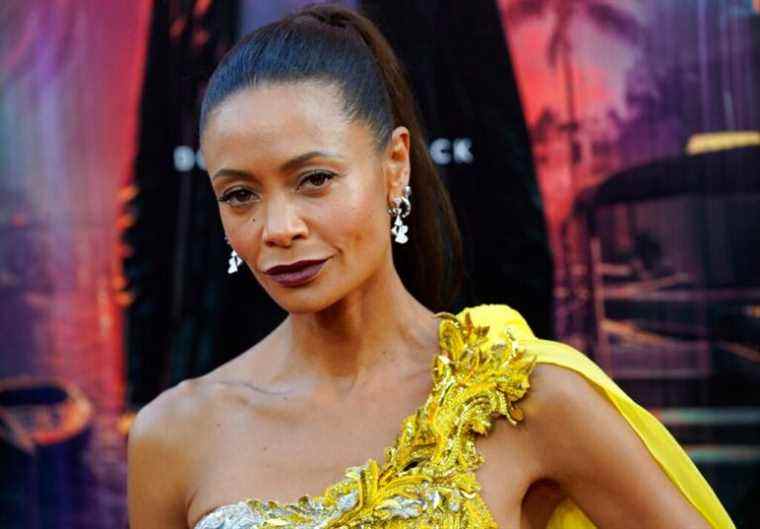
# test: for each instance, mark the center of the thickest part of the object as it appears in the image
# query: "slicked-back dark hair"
(338, 46)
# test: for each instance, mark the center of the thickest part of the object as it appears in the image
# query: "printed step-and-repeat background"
(603, 157)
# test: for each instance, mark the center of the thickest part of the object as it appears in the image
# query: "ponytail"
(338, 45)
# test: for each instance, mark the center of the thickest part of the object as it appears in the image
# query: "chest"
(282, 453)
(431, 476)
(283, 461)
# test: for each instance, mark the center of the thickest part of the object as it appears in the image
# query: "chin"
(306, 299)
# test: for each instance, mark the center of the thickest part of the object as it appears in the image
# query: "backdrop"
(603, 158)
(70, 75)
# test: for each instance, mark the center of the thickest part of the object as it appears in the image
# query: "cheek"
(244, 236)
(237, 227)
(358, 224)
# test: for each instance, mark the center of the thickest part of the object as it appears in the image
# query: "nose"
(282, 224)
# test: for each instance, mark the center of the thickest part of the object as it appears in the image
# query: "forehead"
(277, 121)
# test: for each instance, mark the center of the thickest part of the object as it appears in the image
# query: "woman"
(328, 195)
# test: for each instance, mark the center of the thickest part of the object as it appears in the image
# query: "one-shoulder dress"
(427, 479)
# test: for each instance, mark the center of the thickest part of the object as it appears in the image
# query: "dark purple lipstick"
(296, 274)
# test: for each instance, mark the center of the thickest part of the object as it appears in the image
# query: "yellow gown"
(427, 478)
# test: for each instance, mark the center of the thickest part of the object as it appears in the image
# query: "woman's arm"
(155, 489)
(587, 447)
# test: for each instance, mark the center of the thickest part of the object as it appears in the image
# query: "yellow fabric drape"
(664, 448)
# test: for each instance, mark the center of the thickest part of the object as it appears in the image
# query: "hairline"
(322, 81)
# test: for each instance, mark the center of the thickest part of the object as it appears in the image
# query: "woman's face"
(303, 192)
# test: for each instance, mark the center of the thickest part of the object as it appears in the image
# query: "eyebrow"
(303, 158)
(231, 173)
(291, 164)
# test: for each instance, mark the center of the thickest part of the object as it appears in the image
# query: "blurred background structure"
(603, 157)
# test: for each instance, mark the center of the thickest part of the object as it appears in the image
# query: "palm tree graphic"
(602, 14)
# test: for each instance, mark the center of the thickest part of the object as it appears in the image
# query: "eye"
(237, 197)
(316, 180)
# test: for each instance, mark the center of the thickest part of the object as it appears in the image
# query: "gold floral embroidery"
(428, 478)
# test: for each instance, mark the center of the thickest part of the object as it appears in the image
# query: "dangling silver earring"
(402, 206)
(234, 260)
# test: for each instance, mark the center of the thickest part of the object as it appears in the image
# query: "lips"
(296, 274)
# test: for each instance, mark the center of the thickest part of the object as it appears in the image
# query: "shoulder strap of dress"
(481, 369)
(499, 319)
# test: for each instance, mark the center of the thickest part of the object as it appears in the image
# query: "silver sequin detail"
(348, 501)
(241, 516)
(272, 516)
(401, 507)
(234, 516)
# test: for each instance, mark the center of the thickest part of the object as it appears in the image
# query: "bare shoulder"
(160, 427)
(164, 420)
(558, 391)
(165, 442)
(564, 412)
(186, 412)
(181, 413)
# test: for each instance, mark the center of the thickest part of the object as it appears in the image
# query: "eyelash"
(323, 175)
(326, 177)
(229, 195)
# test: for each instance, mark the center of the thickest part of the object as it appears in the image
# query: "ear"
(396, 163)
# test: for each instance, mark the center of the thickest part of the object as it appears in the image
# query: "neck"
(378, 327)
